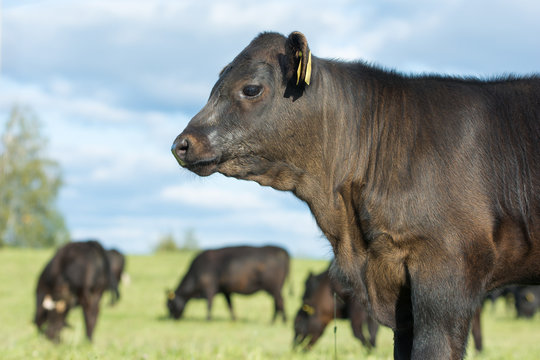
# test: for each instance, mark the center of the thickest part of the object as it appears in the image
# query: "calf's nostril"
(183, 145)
(179, 149)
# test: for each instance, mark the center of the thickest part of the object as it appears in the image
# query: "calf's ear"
(299, 57)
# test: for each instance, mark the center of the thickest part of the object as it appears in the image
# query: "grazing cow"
(78, 274)
(117, 262)
(319, 308)
(427, 187)
(240, 269)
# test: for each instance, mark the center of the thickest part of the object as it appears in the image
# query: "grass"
(137, 327)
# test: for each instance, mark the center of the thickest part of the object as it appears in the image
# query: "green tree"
(29, 185)
(166, 243)
(190, 240)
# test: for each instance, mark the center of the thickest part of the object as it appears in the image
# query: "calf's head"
(256, 115)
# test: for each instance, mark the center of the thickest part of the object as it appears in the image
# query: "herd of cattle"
(80, 272)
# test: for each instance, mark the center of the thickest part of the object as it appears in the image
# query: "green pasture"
(137, 327)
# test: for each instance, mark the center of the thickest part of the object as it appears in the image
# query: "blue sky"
(114, 82)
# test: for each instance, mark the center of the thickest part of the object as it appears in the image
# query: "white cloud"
(213, 197)
(57, 97)
(249, 15)
(299, 222)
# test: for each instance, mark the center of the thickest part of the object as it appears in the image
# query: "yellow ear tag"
(308, 309)
(171, 295)
(308, 69)
(299, 54)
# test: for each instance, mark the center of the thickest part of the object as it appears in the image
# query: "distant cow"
(78, 274)
(117, 262)
(427, 187)
(318, 308)
(527, 300)
(240, 269)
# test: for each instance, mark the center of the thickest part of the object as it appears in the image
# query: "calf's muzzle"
(193, 151)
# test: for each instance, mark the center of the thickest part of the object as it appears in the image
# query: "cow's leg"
(229, 303)
(443, 337)
(373, 328)
(209, 299)
(90, 305)
(358, 317)
(477, 329)
(278, 306)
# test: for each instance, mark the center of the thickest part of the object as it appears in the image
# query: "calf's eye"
(251, 91)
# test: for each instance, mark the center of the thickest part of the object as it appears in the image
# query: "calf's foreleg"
(443, 300)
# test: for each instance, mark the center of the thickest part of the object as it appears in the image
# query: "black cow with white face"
(78, 274)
